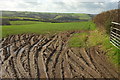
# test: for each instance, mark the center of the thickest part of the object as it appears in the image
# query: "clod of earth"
(45, 56)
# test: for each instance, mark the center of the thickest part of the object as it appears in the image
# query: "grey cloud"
(86, 7)
(73, 6)
(111, 5)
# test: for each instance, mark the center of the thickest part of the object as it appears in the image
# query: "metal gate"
(115, 34)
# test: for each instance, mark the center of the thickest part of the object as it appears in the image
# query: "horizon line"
(50, 12)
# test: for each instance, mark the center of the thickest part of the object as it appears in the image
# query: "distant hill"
(46, 17)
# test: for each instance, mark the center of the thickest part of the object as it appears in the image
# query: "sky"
(59, 6)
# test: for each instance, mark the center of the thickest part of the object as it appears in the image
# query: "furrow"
(68, 73)
(60, 62)
(10, 53)
(86, 68)
(106, 67)
(49, 64)
(4, 71)
(98, 65)
(32, 51)
(110, 68)
(62, 69)
(19, 75)
(11, 70)
(78, 68)
(50, 56)
(58, 65)
(19, 64)
(32, 64)
(33, 69)
(87, 58)
(42, 49)
(77, 59)
(14, 42)
(41, 66)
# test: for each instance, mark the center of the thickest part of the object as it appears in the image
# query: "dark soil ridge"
(45, 56)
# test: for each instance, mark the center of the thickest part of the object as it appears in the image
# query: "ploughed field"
(49, 56)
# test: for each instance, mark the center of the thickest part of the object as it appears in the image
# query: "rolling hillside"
(46, 17)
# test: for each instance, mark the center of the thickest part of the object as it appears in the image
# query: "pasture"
(44, 27)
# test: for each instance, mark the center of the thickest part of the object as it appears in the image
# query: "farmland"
(42, 27)
(56, 45)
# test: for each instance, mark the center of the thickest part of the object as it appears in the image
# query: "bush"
(104, 19)
(4, 21)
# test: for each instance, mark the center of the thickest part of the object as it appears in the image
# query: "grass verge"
(96, 38)
(78, 40)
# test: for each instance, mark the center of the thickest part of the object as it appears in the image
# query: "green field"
(23, 22)
(42, 27)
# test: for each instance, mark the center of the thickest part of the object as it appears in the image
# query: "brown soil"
(45, 56)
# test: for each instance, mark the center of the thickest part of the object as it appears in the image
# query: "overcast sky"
(59, 6)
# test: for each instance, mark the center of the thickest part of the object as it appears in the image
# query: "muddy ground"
(45, 56)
